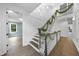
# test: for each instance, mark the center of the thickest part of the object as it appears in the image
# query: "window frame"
(11, 28)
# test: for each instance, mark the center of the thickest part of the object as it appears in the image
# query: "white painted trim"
(10, 27)
(76, 44)
(36, 38)
(37, 35)
(35, 42)
(34, 47)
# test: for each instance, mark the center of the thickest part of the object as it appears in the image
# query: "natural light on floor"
(13, 39)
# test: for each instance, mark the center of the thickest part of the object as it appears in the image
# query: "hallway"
(65, 47)
(16, 49)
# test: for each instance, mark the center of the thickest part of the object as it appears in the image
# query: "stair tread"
(36, 49)
(37, 36)
(35, 42)
(35, 39)
(36, 45)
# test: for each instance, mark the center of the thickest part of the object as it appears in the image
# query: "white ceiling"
(29, 7)
(43, 13)
(44, 9)
(39, 13)
(13, 14)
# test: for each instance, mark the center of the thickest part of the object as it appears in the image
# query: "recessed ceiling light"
(10, 11)
(73, 18)
(20, 19)
(47, 7)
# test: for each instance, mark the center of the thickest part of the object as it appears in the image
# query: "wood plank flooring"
(15, 48)
(65, 47)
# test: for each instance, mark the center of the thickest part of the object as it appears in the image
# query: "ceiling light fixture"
(20, 19)
(73, 18)
(10, 11)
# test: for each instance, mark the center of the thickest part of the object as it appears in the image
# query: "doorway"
(14, 31)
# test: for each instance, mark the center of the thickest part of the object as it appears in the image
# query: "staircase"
(44, 32)
(35, 43)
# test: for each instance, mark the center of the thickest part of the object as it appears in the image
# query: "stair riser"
(35, 42)
(34, 47)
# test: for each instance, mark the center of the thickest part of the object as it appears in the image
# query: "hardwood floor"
(65, 47)
(16, 49)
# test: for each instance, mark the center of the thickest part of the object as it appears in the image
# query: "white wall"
(28, 29)
(3, 41)
(62, 26)
(44, 12)
(76, 20)
(76, 26)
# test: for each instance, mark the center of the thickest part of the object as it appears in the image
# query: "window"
(13, 27)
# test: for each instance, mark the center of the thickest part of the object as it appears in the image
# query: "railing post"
(56, 37)
(45, 51)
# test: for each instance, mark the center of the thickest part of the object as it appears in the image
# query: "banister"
(46, 36)
(53, 33)
(44, 28)
(46, 25)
